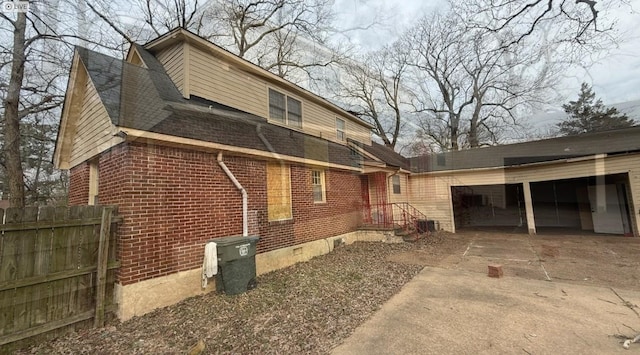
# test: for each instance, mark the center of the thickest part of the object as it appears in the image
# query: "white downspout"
(245, 221)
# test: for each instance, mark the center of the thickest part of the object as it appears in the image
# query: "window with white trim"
(340, 130)
(318, 185)
(285, 109)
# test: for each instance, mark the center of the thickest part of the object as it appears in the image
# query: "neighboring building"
(193, 143)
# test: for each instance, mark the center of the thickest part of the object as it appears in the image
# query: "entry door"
(605, 209)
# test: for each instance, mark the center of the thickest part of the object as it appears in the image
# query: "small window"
(93, 182)
(284, 109)
(340, 135)
(317, 182)
(395, 179)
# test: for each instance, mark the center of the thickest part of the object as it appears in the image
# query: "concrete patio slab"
(452, 311)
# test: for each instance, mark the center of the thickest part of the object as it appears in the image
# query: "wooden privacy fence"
(57, 269)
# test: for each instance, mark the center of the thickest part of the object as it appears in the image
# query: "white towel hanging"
(210, 263)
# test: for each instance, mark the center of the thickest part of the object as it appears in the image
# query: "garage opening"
(495, 206)
(583, 205)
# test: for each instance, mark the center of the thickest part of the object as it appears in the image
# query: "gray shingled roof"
(106, 74)
(609, 142)
(146, 99)
(386, 154)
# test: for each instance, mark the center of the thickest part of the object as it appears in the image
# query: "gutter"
(245, 219)
(519, 166)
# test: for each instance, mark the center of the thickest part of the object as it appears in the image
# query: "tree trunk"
(474, 140)
(11, 115)
(454, 124)
(473, 133)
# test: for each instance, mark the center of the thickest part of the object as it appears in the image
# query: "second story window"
(285, 109)
(340, 135)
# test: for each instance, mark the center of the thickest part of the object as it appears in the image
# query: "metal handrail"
(394, 215)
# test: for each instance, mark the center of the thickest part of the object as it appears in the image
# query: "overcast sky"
(615, 78)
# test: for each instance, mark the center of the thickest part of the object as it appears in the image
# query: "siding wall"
(94, 130)
(169, 215)
(430, 193)
(172, 59)
(216, 80)
(403, 196)
(93, 127)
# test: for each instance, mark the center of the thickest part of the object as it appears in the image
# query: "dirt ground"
(312, 307)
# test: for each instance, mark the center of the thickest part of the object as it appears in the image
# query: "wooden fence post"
(103, 256)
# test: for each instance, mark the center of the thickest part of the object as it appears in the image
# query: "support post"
(528, 206)
(103, 258)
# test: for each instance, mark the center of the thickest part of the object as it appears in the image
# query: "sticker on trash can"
(243, 249)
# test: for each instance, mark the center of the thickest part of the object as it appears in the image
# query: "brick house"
(193, 143)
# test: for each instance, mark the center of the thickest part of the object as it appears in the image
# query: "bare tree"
(504, 79)
(164, 15)
(36, 48)
(473, 86)
(286, 37)
(390, 65)
(13, 160)
(373, 85)
(437, 61)
(247, 23)
(575, 21)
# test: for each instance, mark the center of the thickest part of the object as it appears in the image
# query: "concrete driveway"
(555, 298)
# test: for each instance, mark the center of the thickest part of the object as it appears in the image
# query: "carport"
(583, 205)
(489, 206)
(584, 184)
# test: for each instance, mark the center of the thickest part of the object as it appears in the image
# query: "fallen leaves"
(307, 308)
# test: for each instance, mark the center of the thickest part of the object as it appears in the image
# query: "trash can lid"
(235, 239)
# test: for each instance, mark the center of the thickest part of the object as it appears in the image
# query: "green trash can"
(236, 263)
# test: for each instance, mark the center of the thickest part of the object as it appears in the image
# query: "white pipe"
(245, 219)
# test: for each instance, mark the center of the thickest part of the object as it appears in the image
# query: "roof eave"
(59, 161)
(132, 134)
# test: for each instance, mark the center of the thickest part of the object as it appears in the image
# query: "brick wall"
(79, 184)
(341, 213)
(174, 200)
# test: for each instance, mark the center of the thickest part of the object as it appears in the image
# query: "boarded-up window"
(278, 192)
(318, 185)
